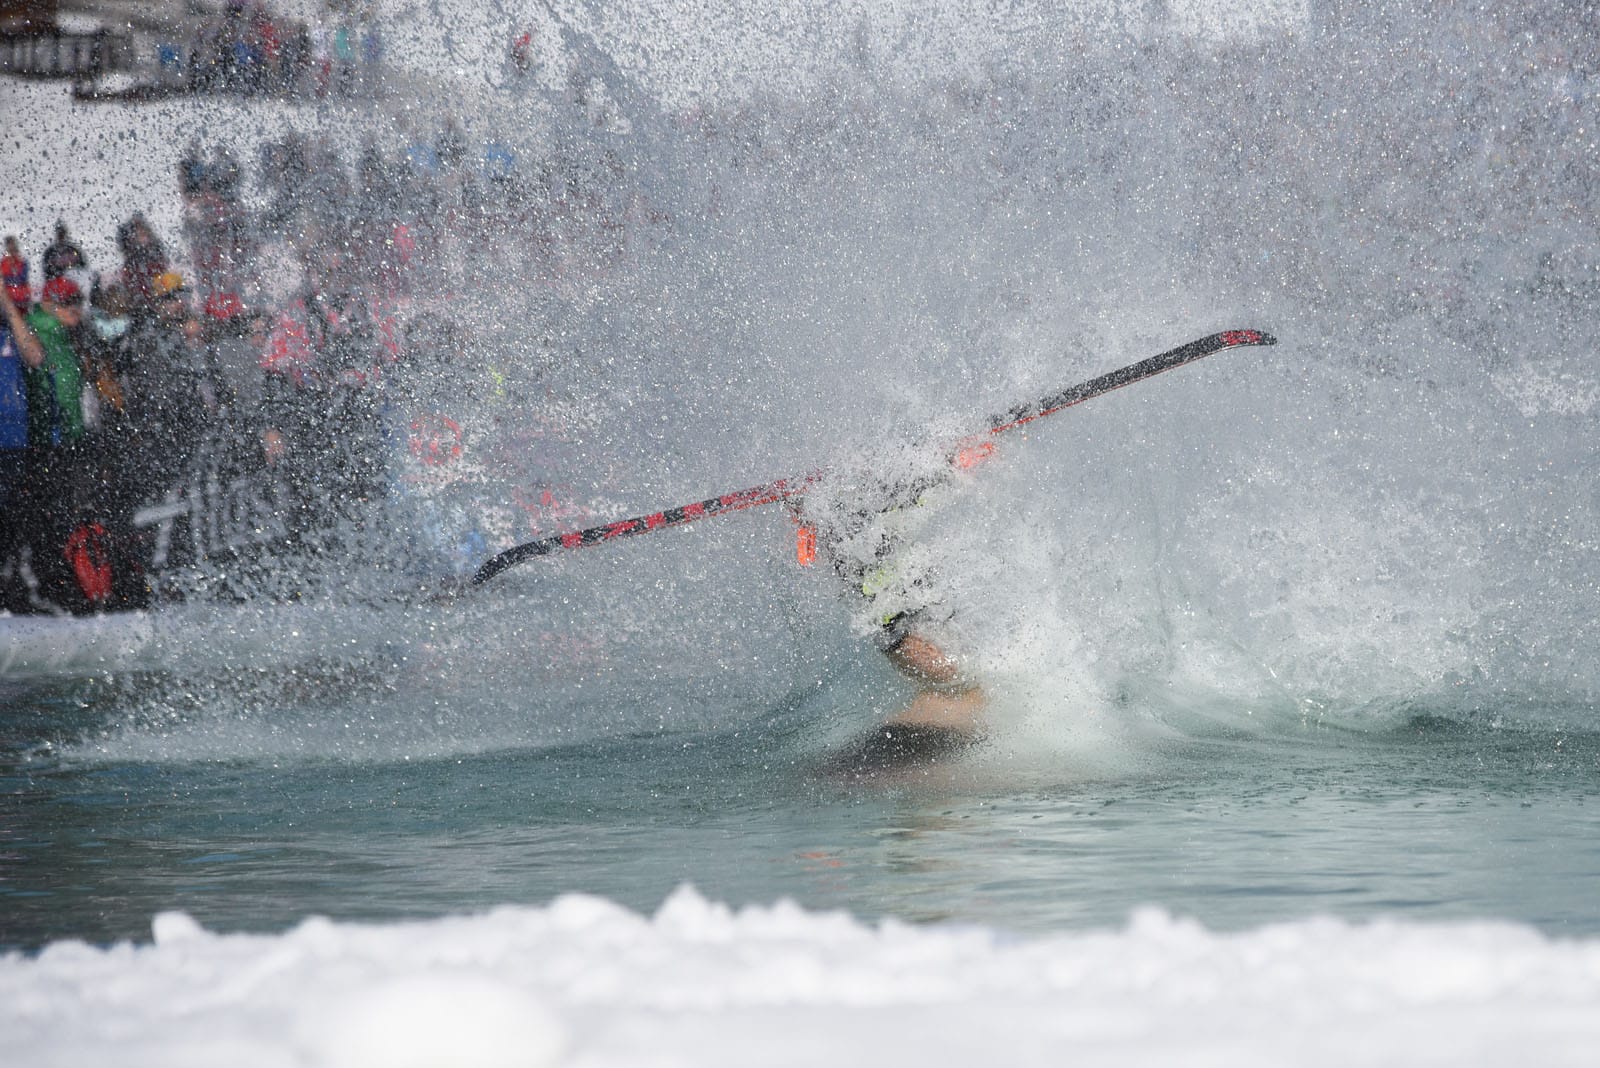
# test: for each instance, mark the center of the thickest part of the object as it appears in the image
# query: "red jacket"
(14, 273)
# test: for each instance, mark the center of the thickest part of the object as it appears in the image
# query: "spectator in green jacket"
(55, 388)
(54, 486)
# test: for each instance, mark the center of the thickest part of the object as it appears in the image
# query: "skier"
(868, 532)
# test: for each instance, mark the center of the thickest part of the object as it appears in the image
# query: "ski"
(644, 524)
(785, 488)
(1126, 376)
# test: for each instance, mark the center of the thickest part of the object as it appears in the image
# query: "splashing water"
(760, 255)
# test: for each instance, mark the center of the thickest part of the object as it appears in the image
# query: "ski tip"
(501, 561)
(1235, 338)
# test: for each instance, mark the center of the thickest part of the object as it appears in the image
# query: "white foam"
(586, 982)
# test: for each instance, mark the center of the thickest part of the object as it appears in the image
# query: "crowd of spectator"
(281, 334)
(417, 217)
(251, 49)
(105, 380)
(111, 378)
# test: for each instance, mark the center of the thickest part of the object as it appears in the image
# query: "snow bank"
(586, 982)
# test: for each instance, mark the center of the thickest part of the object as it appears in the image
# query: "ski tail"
(785, 488)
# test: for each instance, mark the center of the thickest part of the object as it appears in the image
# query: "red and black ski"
(784, 488)
(644, 524)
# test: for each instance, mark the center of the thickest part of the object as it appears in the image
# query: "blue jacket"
(13, 393)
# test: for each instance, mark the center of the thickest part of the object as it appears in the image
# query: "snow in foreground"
(586, 982)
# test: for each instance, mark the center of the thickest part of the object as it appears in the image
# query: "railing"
(79, 56)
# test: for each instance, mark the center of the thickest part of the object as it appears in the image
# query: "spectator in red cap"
(14, 274)
(55, 387)
(54, 483)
